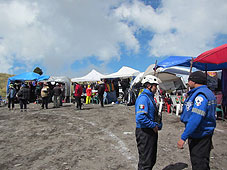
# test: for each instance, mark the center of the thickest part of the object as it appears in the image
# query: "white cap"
(150, 79)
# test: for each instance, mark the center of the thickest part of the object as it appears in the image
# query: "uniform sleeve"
(142, 113)
(198, 113)
(160, 126)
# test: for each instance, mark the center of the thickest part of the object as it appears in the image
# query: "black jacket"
(57, 91)
(101, 89)
(24, 93)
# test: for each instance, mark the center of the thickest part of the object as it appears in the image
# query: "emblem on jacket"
(198, 100)
(188, 105)
(141, 106)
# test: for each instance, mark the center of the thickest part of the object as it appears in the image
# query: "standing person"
(88, 92)
(77, 95)
(57, 94)
(45, 95)
(101, 90)
(23, 95)
(62, 94)
(148, 122)
(11, 96)
(199, 118)
(38, 92)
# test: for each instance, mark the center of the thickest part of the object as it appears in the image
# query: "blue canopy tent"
(175, 61)
(28, 76)
(185, 61)
(43, 77)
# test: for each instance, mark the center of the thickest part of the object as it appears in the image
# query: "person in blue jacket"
(11, 95)
(148, 122)
(199, 118)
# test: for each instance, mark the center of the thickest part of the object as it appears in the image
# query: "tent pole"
(191, 62)
(155, 67)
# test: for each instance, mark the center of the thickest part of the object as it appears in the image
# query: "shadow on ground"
(176, 166)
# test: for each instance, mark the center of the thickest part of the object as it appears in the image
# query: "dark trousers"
(200, 152)
(10, 100)
(78, 101)
(45, 102)
(147, 141)
(101, 100)
(23, 103)
(57, 101)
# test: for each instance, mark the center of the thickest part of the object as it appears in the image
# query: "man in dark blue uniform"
(199, 118)
(148, 122)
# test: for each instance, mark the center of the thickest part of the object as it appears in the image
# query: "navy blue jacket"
(145, 111)
(199, 113)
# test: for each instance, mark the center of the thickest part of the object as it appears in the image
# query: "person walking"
(148, 122)
(101, 90)
(23, 96)
(77, 95)
(11, 96)
(88, 92)
(57, 93)
(199, 118)
(45, 91)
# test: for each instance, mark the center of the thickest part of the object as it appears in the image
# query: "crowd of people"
(102, 92)
(39, 93)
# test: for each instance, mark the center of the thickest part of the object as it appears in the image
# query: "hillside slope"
(3, 82)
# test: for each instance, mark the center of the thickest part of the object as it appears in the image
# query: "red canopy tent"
(217, 55)
(216, 59)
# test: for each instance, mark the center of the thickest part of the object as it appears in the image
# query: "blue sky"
(73, 37)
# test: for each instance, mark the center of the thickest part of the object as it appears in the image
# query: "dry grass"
(3, 82)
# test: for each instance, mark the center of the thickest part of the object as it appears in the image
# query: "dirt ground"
(94, 138)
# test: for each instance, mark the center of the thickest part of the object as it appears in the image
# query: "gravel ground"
(94, 138)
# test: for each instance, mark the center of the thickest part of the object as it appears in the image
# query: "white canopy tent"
(169, 81)
(124, 72)
(62, 79)
(92, 76)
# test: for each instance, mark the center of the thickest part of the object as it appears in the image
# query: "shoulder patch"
(198, 100)
(141, 106)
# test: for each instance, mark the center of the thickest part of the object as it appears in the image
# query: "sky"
(72, 37)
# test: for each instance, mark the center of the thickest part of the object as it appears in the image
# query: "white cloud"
(57, 33)
(179, 27)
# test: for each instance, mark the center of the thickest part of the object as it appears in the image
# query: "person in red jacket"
(88, 92)
(77, 95)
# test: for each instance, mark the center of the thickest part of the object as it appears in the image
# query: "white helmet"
(150, 79)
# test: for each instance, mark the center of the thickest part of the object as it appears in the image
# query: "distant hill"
(3, 82)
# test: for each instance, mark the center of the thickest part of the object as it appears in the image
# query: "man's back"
(57, 91)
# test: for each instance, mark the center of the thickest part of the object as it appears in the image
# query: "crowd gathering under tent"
(66, 83)
(126, 81)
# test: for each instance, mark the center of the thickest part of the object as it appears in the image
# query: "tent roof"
(58, 79)
(185, 61)
(169, 81)
(92, 76)
(175, 61)
(124, 72)
(217, 55)
(177, 70)
(43, 77)
(25, 76)
(172, 69)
